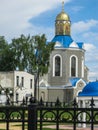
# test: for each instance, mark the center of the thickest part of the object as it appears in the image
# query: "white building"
(16, 85)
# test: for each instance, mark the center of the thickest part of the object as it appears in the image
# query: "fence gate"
(58, 113)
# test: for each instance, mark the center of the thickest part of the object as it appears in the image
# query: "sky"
(37, 17)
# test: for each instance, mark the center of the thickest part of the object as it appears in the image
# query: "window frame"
(76, 66)
(54, 65)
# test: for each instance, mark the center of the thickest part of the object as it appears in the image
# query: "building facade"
(67, 73)
(16, 85)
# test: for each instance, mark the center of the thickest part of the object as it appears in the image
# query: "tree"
(6, 56)
(31, 53)
(25, 53)
(20, 47)
(42, 55)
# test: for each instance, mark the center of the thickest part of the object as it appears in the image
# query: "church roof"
(91, 89)
(74, 81)
(66, 41)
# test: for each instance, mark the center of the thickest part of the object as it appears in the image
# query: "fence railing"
(36, 115)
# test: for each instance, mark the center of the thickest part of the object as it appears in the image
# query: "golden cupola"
(62, 23)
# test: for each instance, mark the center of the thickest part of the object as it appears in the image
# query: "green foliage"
(6, 56)
(30, 53)
(43, 53)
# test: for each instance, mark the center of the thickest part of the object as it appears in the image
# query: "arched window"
(57, 66)
(73, 66)
(82, 67)
(43, 95)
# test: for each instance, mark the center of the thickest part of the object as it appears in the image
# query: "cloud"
(93, 75)
(92, 37)
(91, 53)
(83, 26)
(15, 15)
(89, 47)
(91, 60)
(77, 8)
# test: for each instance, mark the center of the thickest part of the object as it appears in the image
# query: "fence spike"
(8, 101)
(75, 103)
(92, 102)
(23, 101)
(32, 100)
(58, 103)
(41, 102)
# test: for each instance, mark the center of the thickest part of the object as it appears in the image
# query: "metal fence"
(36, 115)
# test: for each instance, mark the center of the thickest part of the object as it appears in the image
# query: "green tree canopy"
(26, 53)
(6, 56)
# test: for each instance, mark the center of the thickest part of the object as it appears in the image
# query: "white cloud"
(77, 8)
(15, 15)
(92, 37)
(89, 47)
(91, 53)
(91, 57)
(93, 75)
(83, 26)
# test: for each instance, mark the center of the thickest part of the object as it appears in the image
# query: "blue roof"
(80, 44)
(91, 89)
(74, 81)
(66, 41)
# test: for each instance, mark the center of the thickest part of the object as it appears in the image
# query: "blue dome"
(91, 89)
(65, 40)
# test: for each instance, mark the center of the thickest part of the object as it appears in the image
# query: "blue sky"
(37, 17)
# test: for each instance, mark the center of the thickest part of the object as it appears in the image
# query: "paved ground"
(15, 126)
(66, 127)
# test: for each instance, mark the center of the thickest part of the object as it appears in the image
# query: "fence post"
(75, 118)
(92, 113)
(32, 116)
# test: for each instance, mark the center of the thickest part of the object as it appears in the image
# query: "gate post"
(32, 116)
(92, 113)
(74, 115)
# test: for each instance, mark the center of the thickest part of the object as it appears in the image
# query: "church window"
(73, 66)
(31, 81)
(61, 29)
(17, 80)
(82, 67)
(17, 97)
(57, 66)
(43, 95)
(22, 81)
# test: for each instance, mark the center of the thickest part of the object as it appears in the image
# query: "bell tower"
(62, 23)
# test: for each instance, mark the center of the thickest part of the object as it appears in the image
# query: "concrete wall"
(66, 54)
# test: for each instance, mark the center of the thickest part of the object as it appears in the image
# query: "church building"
(67, 73)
